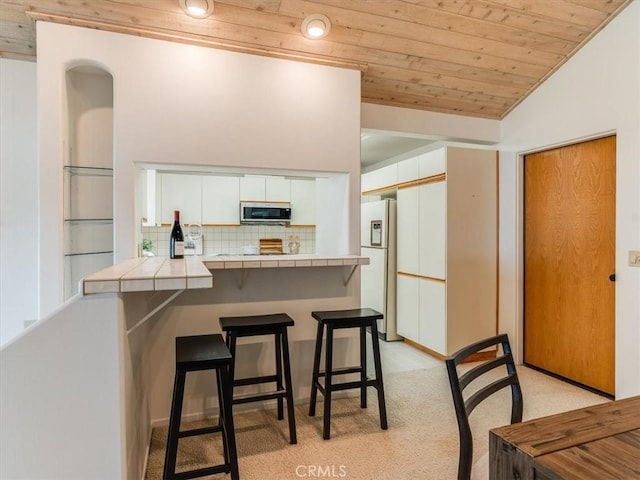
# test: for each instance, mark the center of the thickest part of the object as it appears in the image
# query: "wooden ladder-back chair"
(464, 406)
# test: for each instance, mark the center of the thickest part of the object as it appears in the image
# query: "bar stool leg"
(363, 366)
(171, 453)
(279, 385)
(328, 366)
(223, 430)
(378, 367)
(231, 342)
(316, 370)
(227, 422)
(287, 378)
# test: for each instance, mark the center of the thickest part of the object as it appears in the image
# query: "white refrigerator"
(378, 279)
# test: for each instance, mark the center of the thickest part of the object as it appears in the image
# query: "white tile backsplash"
(230, 240)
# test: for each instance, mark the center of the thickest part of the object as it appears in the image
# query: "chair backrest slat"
(471, 375)
(465, 405)
(474, 400)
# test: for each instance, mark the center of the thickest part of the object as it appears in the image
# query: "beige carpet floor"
(421, 442)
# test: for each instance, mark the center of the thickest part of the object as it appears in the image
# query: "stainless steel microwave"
(253, 213)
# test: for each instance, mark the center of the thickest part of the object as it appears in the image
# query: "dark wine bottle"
(176, 240)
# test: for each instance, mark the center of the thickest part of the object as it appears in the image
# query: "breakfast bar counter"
(192, 272)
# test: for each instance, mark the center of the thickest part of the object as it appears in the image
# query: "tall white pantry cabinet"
(447, 238)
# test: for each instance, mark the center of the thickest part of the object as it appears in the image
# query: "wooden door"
(569, 245)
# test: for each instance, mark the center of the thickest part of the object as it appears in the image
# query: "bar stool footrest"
(201, 472)
(241, 382)
(336, 387)
(257, 397)
(200, 431)
(342, 371)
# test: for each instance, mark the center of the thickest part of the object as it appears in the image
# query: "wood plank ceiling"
(469, 57)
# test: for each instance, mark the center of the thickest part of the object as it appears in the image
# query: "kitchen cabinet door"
(432, 314)
(433, 163)
(409, 170)
(260, 188)
(387, 177)
(407, 307)
(367, 182)
(220, 200)
(381, 179)
(303, 202)
(408, 242)
(277, 189)
(433, 230)
(252, 188)
(180, 192)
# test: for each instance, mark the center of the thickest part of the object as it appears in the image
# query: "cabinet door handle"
(612, 277)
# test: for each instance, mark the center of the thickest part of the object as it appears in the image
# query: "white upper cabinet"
(432, 163)
(409, 170)
(252, 189)
(215, 199)
(180, 192)
(367, 182)
(256, 188)
(422, 166)
(220, 200)
(381, 179)
(392, 176)
(277, 189)
(303, 202)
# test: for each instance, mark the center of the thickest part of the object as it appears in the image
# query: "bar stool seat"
(361, 318)
(253, 325)
(195, 353)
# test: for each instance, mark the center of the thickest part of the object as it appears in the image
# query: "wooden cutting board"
(270, 246)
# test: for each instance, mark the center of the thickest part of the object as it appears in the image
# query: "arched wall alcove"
(88, 174)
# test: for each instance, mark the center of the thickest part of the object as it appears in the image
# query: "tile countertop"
(162, 273)
(217, 262)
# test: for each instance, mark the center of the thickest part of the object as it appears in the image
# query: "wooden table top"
(616, 457)
(597, 442)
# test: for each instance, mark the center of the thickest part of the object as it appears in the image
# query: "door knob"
(612, 277)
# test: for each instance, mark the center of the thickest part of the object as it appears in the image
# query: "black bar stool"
(275, 324)
(202, 352)
(335, 319)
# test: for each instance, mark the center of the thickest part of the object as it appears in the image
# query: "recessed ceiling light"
(316, 26)
(197, 8)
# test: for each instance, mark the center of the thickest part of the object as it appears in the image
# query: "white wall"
(183, 104)
(60, 396)
(596, 92)
(433, 125)
(18, 197)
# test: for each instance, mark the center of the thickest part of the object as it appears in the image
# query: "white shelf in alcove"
(88, 236)
(89, 220)
(96, 171)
